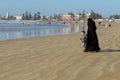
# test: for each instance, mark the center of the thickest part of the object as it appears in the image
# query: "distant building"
(7, 15)
(18, 17)
(88, 15)
(65, 17)
(77, 17)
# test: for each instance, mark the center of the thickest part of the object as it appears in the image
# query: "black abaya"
(92, 39)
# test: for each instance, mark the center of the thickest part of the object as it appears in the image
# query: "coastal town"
(37, 16)
(66, 17)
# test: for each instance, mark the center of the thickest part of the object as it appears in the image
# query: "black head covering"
(91, 24)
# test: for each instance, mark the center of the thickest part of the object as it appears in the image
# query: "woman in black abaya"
(92, 43)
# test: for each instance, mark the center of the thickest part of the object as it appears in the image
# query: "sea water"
(21, 30)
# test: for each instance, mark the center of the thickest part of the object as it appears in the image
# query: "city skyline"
(46, 7)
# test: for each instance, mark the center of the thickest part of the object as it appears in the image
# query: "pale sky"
(51, 7)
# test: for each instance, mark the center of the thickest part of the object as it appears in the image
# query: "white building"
(18, 17)
(7, 15)
(88, 15)
(77, 17)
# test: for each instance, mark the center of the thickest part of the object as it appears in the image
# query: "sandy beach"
(61, 58)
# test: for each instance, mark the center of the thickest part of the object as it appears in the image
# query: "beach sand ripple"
(61, 58)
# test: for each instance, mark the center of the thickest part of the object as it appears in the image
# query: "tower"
(7, 15)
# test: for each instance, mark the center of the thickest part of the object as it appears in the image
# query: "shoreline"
(39, 37)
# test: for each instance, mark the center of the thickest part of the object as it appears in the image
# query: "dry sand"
(61, 58)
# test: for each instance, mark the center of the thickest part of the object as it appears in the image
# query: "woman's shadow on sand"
(110, 50)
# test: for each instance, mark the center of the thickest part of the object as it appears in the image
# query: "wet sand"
(61, 58)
